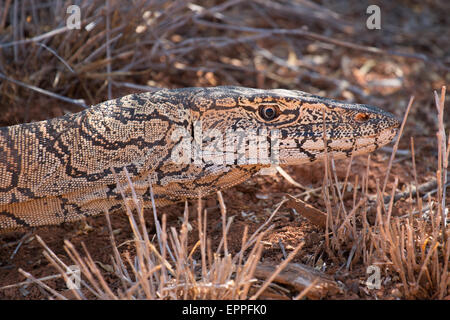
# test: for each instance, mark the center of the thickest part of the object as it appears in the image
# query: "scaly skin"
(61, 169)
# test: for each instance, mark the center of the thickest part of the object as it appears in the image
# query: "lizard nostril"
(361, 117)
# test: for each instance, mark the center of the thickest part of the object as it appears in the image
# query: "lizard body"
(184, 142)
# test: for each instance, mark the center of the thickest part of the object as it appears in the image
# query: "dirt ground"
(411, 26)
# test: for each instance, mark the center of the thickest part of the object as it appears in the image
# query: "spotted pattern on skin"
(62, 169)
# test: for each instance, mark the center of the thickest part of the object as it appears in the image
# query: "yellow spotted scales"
(61, 169)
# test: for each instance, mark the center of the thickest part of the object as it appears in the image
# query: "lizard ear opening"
(361, 117)
(269, 112)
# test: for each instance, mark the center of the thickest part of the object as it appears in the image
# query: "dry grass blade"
(402, 127)
(79, 102)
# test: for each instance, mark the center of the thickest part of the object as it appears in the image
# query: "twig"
(322, 38)
(78, 102)
(289, 178)
(283, 250)
(21, 241)
(426, 189)
(108, 50)
(308, 11)
(315, 216)
(41, 284)
(277, 271)
(37, 38)
(27, 282)
(56, 55)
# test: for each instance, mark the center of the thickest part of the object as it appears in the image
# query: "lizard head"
(296, 125)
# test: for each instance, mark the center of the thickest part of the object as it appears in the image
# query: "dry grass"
(415, 247)
(167, 269)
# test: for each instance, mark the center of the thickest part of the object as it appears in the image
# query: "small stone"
(261, 196)
(396, 293)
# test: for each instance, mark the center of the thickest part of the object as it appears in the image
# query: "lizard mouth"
(297, 151)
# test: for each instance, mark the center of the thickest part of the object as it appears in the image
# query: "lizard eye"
(268, 112)
(361, 117)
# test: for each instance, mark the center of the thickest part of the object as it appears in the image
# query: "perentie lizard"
(184, 142)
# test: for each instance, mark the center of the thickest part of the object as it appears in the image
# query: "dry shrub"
(413, 248)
